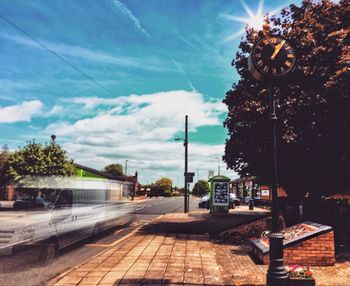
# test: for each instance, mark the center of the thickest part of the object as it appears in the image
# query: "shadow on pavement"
(163, 282)
(198, 224)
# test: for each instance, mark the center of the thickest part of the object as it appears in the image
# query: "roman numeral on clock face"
(288, 64)
(266, 69)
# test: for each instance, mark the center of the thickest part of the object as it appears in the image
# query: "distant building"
(125, 190)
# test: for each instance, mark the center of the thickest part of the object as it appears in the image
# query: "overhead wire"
(55, 54)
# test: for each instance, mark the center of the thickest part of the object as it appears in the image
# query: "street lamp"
(185, 140)
(126, 167)
(219, 159)
(272, 58)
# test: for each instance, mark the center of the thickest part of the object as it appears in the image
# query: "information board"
(221, 194)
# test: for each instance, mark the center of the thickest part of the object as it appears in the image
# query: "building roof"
(106, 175)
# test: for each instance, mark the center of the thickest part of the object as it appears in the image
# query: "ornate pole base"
(276, 274)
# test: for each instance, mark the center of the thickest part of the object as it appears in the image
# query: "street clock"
(272, 57)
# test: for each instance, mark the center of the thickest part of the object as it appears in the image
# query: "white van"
(60, 212)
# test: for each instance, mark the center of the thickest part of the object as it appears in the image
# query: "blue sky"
(143, 66)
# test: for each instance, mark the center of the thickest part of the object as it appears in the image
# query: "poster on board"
(265, 192)
(221, 195)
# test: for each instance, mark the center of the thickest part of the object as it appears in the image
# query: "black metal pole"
(186, 165)
(276, 274)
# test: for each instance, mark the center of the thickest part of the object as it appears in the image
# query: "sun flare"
(253, 20)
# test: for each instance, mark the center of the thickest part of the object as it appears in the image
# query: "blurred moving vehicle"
(59, 212)
(205, 200)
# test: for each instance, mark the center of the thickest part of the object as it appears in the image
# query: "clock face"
(272, 56)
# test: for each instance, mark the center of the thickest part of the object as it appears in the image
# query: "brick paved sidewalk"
(181, 259)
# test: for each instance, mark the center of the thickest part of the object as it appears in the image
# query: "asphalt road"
(27, 268)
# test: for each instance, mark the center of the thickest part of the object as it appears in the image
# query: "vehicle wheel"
(50, 251)
(96, 230)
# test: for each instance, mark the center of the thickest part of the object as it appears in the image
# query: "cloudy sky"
(113, 80)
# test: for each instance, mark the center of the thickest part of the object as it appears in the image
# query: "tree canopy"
(162, 185)
(36, 159)
(114, 169)
(313, 104)
(4, 156)
(201, 188)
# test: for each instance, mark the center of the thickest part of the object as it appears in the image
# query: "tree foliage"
(114, 169)
(4, 157)
(164, 183)
(35, 159)
(312, 104)
(162, 186)
(201, 188)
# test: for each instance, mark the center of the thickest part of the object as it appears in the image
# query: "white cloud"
(21, 112)
(55, 110)
(158, 115)
(141, 128)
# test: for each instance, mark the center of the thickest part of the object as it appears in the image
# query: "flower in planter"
(265, 233)
(298, 271)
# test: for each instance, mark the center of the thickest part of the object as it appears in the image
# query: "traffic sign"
(189, 177)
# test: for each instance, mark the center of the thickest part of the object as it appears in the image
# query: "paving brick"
(69, 280)
(181, 259)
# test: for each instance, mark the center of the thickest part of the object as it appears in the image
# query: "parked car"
(204, 201)
(234, 201)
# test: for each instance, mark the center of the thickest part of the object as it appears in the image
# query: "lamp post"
(185, 140)
(218, 158)
(126, 167)
(271, 59)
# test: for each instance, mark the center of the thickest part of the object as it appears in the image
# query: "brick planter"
(301, 282)
(314, 246)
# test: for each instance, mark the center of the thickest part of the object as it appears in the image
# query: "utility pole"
(186, 165)
(186, 178)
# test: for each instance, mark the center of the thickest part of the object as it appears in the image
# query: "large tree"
(36, 159)
(312, 104)
(162, 185)
(114, 169)
(201, 188)
(4, 157)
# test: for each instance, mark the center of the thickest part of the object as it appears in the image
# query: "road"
(26, 268)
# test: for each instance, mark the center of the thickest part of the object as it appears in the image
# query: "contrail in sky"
(125, 11)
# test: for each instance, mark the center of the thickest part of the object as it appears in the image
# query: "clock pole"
(276, 274)
(272, 58)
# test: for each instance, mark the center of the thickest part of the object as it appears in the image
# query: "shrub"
(167, 193)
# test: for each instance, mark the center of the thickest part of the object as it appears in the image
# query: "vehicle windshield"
(35, 199)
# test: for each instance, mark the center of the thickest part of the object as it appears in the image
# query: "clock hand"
(277, 49)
